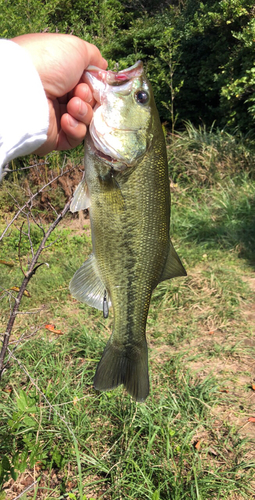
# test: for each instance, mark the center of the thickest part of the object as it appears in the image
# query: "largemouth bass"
(126, 188)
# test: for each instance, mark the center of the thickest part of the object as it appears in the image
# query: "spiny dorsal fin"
(87, 286)
(81, 199)
(173, 266)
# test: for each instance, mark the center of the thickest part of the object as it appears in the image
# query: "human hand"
(60, 61)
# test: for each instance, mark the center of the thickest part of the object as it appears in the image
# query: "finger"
(83, 91)
(80, 110)
(94, 56)
(72, 132)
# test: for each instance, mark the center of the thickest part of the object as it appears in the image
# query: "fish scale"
(130, 222)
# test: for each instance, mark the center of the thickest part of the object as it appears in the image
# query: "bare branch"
(26, 205)
(28, 275)
(19, 254)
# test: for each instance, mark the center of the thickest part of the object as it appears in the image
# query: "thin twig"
(19, 253)
(26, 205)
(31, 312)
(26, 489)
(29, 236)
(31, 271)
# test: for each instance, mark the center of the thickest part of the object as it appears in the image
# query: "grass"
(191, 439)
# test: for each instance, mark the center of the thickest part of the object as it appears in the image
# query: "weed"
(205, 157)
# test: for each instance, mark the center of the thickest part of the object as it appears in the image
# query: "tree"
(217, 53)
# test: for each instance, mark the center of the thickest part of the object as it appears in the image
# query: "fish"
(126, 188)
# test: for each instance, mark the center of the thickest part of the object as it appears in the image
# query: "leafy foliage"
(199, 56)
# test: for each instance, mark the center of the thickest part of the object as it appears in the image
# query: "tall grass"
(201, 156)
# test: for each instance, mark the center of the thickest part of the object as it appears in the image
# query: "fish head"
(122, 122)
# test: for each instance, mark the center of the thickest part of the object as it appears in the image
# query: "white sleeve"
(24, 111)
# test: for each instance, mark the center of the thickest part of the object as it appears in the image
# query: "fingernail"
(83, 109)
(72, 122)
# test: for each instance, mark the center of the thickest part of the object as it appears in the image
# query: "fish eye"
(142, 97)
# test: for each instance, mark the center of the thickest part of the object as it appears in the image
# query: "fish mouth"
(103, 133)
(102, 150)
(97, 149)
(99, 79)
(98, 131)
(115, 163)
(105, 157)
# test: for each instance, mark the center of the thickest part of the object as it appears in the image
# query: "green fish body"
(126, 187)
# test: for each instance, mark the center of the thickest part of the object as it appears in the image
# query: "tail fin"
(128, 366)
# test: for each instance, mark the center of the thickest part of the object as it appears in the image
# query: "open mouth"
(100, 148)
(104, 156)
(115, 163)
(100, 153)
(114, 78)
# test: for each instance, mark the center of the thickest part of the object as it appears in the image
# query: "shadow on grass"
(227, 227)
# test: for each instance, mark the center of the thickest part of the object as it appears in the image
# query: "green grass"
(219, 218)
(191, 439)
(125, 448)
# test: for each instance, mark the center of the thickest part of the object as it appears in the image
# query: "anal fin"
(173, 266)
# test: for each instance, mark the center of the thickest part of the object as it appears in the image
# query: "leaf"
(14, 474)
(9, 263)
(23, 461)
(30, 422)
(34, 454)
(251, 419)
(155, 495)
(5, 463)
(58, 332)
(17, 289)
(57, 457)
(7, 389)
(21, 400)
(25, 403)
(52, 328)
(197, 445)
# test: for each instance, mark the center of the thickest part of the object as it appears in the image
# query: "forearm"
(24, 111)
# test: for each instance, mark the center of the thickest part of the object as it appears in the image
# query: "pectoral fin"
(87, 286)
(81, 199)
(112, 193)
(173, 266)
